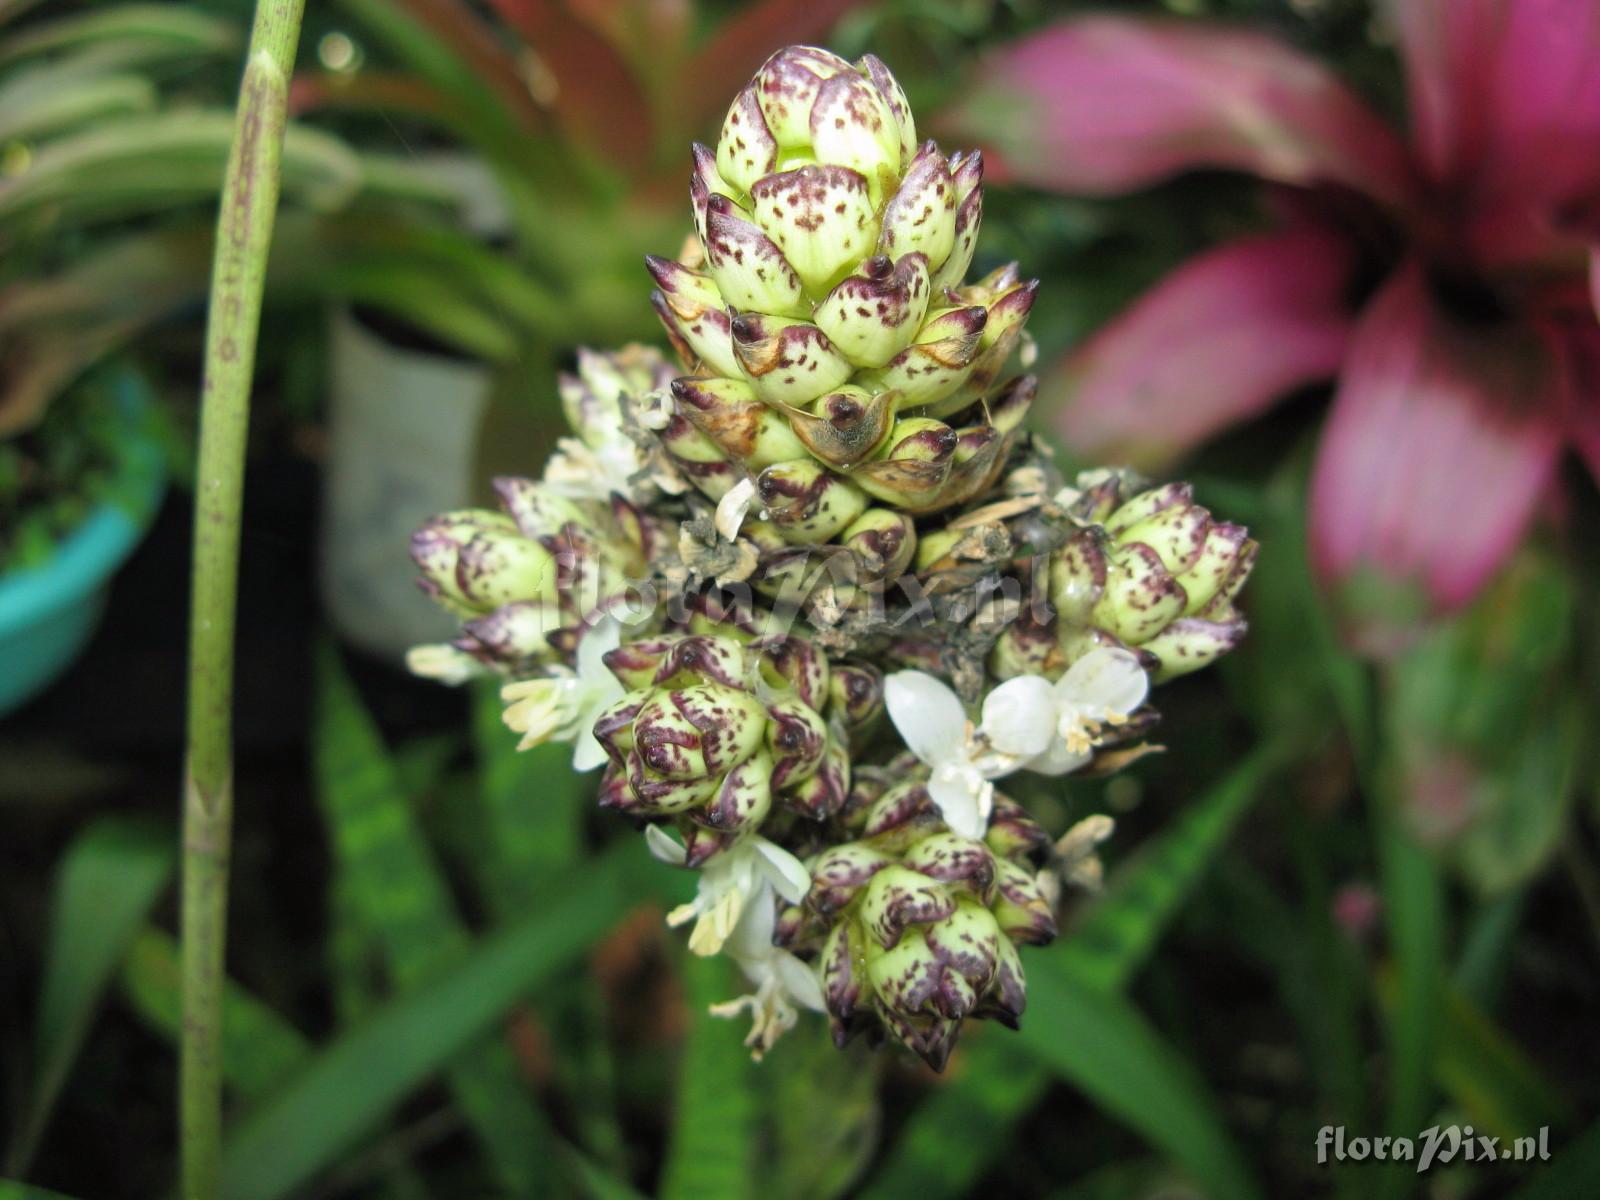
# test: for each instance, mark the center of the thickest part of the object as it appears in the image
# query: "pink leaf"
(1104, 104)
(1448, 47)
(1505, 107)
(1542, 154)
(1441, 439)
(1545, 104)
(1216, 342)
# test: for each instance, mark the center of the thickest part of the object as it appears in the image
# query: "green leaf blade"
(109, 879)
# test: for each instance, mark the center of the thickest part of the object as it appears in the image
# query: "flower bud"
(856, 694)
(882, 541)
(807, 502)
(716, 730)
(787, 361)
(937, 361)
(728, 413)
(913, 464)
(694, 314)
(921, 923)
(477, 560)
(835, 246)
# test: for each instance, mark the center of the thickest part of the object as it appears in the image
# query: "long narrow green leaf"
(534, 803)
(1489, 1076)
(1486, 942)
(1118, 933)
(1480, 1068)
(348, 1089)
(160, 161)
(811, 1151)
(1571, 1173)
(260, 1050)
(963, 1126)
(966, 1124)
(356, 976)
(176, 30)
(40, 106)
(108, 880)
(710, 1155)
(596, 1183)
(1413, 894)
(1103, 1046)
(400, 894)
(12, 1190)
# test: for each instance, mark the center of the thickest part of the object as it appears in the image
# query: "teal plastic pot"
(48, 612)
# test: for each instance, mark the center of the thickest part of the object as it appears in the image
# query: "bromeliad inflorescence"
(814, 599)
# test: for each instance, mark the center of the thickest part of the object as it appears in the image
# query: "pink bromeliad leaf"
(1505, 110)
(1219, 340)
(1441, 439)
(1103, 104)
(1544, 130)
(1448, 46)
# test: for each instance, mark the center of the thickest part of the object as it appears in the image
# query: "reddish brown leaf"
(741, 45)
(596, 97)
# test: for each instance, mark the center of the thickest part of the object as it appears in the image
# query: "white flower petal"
(928, 715)
(1057, 760)
(799, 981)
(786, 873)
(1105, 678)
(1019, 716)
(445, 663)
(751, 938)
(960, 797)
(733, 507)
(604, 637)
(664, 847)
(587, 752)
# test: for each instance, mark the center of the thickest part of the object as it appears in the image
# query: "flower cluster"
(809, 600)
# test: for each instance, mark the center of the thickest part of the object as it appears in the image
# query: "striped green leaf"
(350, 1087)
(398, 893)
(711, 1150)
(533, 803)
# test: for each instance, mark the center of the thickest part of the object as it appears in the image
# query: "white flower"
(729, 883)
(563, 706)
(593, 469)
(964, 759)
(1072, 716)
(445, 663)
(781, 980)
(1028, 723)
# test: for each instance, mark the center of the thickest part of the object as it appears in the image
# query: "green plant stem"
(244, 235)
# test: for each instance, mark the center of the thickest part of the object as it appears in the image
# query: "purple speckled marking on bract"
(746, 150)
(749, 269)
(922, 214)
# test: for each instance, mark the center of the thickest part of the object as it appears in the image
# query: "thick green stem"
(244, 234)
